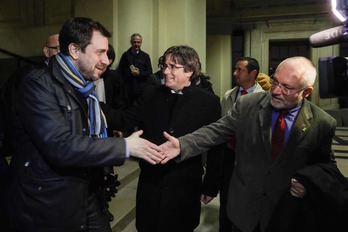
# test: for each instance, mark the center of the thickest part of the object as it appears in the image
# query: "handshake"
(152, 153)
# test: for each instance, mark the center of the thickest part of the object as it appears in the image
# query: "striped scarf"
(97, 122)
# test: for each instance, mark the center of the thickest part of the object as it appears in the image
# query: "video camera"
(333, 71)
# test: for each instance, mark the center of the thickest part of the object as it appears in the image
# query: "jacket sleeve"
(148, 67)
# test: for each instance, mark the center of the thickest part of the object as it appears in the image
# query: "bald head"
(303, 69)
(52, 46)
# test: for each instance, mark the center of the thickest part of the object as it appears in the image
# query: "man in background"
(247, 69)
(11, 85)
(135, 67)
(52, 47)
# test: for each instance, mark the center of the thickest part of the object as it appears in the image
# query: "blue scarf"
(97, 122)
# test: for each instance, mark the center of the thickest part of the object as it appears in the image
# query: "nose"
(105, 59)
(165, 70)
(276, 89)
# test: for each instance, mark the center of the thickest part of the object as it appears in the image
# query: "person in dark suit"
(202, 80)
(61, 147)
(134, 67)
(51, 47)
(157, 78)
(262, 175)
(168, 196)
(111, 89)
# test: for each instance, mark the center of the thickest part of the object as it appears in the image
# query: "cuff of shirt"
(127, 149)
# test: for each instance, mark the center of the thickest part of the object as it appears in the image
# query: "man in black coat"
(61, 147)
(169, 196)
(135, 67)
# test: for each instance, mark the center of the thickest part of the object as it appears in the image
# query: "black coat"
(56, 165)
(168, 196)
(134, 85)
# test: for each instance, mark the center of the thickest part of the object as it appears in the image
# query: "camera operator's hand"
(141, 148)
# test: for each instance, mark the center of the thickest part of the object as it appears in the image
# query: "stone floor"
(209, 219)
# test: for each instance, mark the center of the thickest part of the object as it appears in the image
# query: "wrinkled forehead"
(290, 70)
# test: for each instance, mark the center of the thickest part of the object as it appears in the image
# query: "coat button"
(171, 130)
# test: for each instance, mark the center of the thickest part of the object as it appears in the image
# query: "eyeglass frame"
(285, 90)
(54, 47)
(171, 67)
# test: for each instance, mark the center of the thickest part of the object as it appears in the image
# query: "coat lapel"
(300, 128)
(265, 119)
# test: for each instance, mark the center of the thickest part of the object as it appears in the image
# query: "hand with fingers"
(206, 199)
(170, 149)
(297, 189)
(143, 149)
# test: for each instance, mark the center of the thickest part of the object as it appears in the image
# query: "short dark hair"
(252, 65)
(79, 31)
(186, 56)
(111, 54)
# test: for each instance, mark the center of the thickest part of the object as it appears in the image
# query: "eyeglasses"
(56, 48)
(285, 90)
(171, 67)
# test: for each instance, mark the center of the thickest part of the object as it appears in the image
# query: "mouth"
(277, 98)
(102, 69)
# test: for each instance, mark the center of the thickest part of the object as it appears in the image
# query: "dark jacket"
(56, 165)
(115, 90)
(141, 60)
(324, 207)
(168, 196)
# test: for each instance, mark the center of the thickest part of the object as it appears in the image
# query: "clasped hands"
(152, 153)
(141, 148)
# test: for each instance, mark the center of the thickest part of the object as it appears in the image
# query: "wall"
(219, 63)
(24, 25)
(257, 36)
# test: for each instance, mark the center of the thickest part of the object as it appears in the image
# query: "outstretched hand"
(170, 149)
(143, 149)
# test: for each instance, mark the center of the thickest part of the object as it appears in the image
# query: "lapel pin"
(304, 128)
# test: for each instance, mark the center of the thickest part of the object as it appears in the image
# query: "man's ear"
(307, 91)
(74, 51)
(254, 73)
(45, 51)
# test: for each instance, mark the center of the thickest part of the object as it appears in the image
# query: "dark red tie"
(278, 135)
(233, 139)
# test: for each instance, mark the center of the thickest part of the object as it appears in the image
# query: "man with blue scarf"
(60, 138)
